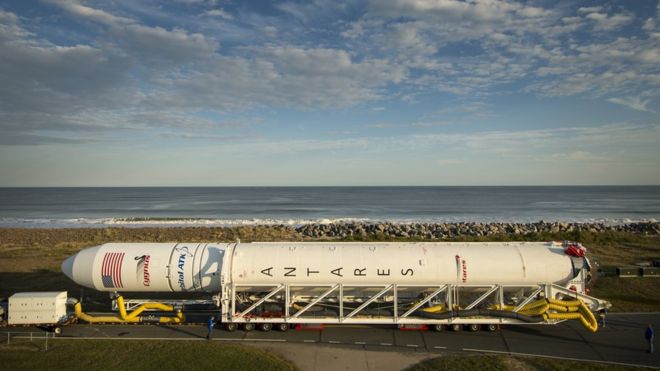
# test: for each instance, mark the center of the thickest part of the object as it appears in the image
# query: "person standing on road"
(601, 317)
(649, 335)
(211, 323)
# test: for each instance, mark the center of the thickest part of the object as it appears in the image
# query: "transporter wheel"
(492, 327)
(282, 327)
(456, 327)
(438, 327)
(54, 329)
(231, 327)
(265, 327)
(473, 327)
(247, 327)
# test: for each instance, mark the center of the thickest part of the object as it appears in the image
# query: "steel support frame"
(452, 292)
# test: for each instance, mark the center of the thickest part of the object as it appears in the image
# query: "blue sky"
(393, 92)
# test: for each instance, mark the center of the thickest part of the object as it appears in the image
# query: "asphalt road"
(621, 341)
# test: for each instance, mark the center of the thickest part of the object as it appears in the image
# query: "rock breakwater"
(444, 231)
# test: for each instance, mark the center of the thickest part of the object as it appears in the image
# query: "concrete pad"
(326, 358)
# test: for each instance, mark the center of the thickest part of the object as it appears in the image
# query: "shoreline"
(182, 222)
(363, 230)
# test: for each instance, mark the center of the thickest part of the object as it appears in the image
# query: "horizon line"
(335, 186)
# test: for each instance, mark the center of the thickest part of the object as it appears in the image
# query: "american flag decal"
(111, 270)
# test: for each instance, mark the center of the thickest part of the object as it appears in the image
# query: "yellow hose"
(105, 319)
(571, 303)
(573, 309)
(435, 309)
(136, 312)
(561, 309)
(535, 311)
(133, 317)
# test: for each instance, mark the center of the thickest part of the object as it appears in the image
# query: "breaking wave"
(137, 222)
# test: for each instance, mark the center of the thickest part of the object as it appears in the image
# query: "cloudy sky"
(383, 92)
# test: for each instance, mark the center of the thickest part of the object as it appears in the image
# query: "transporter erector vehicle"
(276, 284)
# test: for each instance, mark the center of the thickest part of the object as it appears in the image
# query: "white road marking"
(484, 351)
(309, 341)
(334, 342)
(387, 344)
(439, 347)
(412, 345)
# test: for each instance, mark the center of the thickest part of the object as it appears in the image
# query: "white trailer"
(44, 309)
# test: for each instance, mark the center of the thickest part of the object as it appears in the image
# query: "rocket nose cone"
(80, 267)
(67, 266)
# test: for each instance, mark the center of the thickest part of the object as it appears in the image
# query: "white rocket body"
(207, 267)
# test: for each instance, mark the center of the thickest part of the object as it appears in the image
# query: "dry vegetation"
(508, 363)
(136, 355)
(30, 258)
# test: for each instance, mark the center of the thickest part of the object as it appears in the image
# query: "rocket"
(210, 267)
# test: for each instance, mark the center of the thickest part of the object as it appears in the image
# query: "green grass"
(462, 363)
(635, 294)
(506, 363)
(136, 355)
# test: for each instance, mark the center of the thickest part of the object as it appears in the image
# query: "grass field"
(136, 355)
(30, 258)
(507, 363)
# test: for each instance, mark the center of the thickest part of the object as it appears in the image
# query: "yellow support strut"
(132, 317)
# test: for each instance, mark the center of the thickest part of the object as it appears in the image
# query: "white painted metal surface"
(166, 267)
(34, 308)
(402, 263)
(148, 267)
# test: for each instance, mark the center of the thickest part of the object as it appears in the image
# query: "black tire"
(282, 327)
(456, 327)
(492, 327)
(473, 327)
(265, 327)
(438, 327)
(247, 327)
(231, 327)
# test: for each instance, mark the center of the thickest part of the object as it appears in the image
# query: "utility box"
(35, 308)
(607, 271)
(651, 272)
(628, 271)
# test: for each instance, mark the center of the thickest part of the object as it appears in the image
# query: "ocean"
(231, 206)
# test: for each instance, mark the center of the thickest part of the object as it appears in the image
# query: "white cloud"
(280, 76)
(158, 46)
(218, 13)
(635, 103)
(75, 8)
(604, 22)
(453, 10)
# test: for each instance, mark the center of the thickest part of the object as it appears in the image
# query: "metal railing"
(31, 335)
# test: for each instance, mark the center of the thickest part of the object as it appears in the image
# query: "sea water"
(226, 206)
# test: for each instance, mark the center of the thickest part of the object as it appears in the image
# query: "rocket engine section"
(185, 267)
(148, 267)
